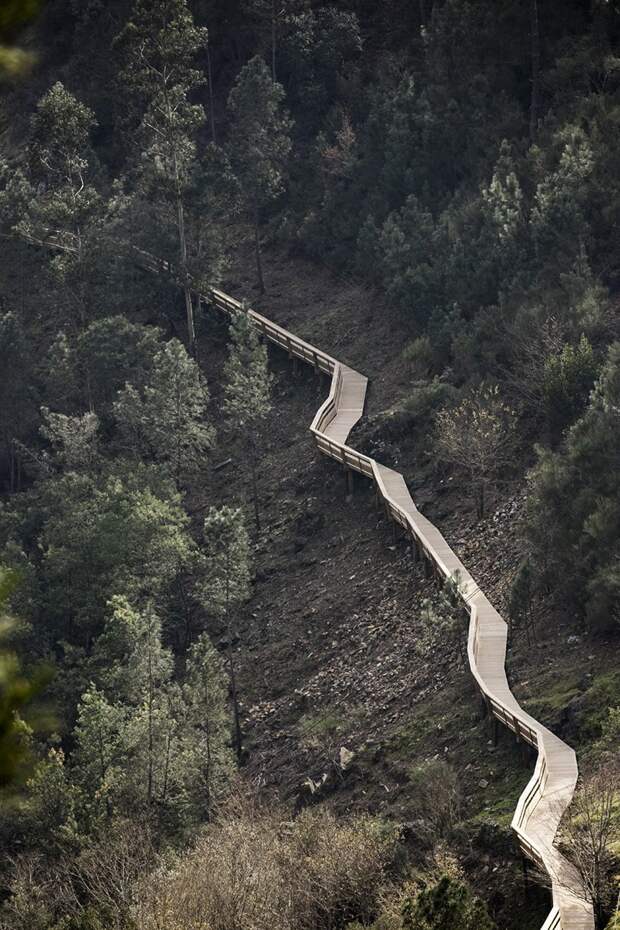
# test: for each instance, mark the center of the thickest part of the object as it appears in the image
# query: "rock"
(346, 757)
(483, 783)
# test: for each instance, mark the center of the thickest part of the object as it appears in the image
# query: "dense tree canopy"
(460, 159)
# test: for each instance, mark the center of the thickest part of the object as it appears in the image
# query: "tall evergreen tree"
(161, 44)
(205, 694)
(247, 391)
(166, 420)
(259, 143)
(573, 511)
(54, 202)
(147, 745)
(227, 583)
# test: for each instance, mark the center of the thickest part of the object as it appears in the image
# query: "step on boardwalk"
(551, 787)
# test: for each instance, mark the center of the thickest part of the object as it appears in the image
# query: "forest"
(231, 698)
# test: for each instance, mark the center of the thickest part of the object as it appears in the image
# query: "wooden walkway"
(551, 787)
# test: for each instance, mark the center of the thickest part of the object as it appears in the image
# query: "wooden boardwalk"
(550, 790)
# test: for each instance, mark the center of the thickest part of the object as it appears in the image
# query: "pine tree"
(205, 695)
(144, 742)
(166, 420)
(161, 44)
(18, 395)
(99, 753)
(54, 203)
(259, 143)
(247, 391)
(227, 582)
(73, 439)
(573, 509)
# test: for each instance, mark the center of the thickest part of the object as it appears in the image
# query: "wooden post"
(526, 882)
(350, 483)
(494, 730)
(428, 568)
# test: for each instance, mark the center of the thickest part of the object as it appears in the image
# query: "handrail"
(550, 790)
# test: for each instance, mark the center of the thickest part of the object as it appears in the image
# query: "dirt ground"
(334, 665)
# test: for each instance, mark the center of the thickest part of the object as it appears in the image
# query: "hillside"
(234, 694)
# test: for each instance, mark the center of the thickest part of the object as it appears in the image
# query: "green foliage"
(247, 381)
(419, 355)
(520, 596)
(51, 813)
(317, 50)
(18, 394)
(503, 199)
(73, 439)
(259, 143)
(247, 391)
(568, 379)
(411, 274)
(54, 202)
(558, 222)
(161, 44)
(573, 508)
(117, 533)
(113, 351)
(448, 905)
(145, 743)
(166, 420)
(259, 135)
(227, 561)
(443, 626)
(17, 690)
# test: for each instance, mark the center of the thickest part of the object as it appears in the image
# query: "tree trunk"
(207, 731)
(187, 291)
(254, 484)
(535, 35)
(259, 263)
(151, 698)
(273, 41)
(211, 107)
(238, 739)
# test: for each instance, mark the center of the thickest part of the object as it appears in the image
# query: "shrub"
(447, 905)
(419, 355)
(568, 379)
(253, 869)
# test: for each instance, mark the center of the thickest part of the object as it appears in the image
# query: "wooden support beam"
(495, 730)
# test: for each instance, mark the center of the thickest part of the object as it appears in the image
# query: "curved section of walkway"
(550, 790)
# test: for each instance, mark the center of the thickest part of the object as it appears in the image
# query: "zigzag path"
(550, 790)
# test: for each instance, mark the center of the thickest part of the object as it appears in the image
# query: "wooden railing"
(550, 790)
(551, 787)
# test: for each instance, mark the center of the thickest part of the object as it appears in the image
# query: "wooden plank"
(551, 787)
